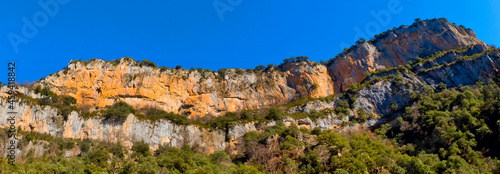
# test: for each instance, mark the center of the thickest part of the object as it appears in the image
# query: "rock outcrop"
(199, 93)
(45, 119)
(397, 47)
(479, 63)
(190, 92)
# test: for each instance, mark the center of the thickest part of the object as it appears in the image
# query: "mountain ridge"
(380, 96)
(200, 92)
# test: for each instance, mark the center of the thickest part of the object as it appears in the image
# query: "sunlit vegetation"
(104, 157)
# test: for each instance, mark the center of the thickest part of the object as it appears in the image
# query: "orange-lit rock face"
(309, 79)
(208, 93)
(100, 83)
(398, 47)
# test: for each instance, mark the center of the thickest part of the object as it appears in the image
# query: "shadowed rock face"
(193, 93)
(448, 69)
(398, 47)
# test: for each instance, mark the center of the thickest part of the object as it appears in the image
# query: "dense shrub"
(275, 114)
(315, 86)
(260, 67)
(141, 148)
(342, 108)
(118, 111)
(222, 72)
(84, 145)
(68, 100)
(146, 62)
(117, 150)
(239, 71)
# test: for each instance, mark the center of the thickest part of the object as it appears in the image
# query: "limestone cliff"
(478, 64)
(199, 92)
(397, 47)
(194, 93)
(45, 119)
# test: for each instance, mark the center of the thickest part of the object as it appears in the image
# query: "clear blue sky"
(193, 34)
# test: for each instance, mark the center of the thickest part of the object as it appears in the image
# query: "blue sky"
(229, 34)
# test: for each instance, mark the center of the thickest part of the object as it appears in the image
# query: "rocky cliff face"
(189, 92)
(199, 93)
(397, 47)
(479, 63)
(45, 119)
(467, 72)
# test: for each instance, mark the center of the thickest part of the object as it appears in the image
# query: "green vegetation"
(448, 131)
(88, 61)
(118, 112)
(303, 101)
(103, 157)
(457, 126)
(163, 69)
(463, 59)
(393, 73)
(68, 100)
(296, 59)
(223, 122)
(239, 71)
(146, 62)
(360, 152)
(441, 54)
(361, 40)
(315, 86)
(260, 67)
(475, 56)
(64, 104)
(155, 114)
(398, 69)
(223, 71)
(451, 131)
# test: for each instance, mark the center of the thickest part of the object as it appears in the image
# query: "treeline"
(455, 125)
(103, 157)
